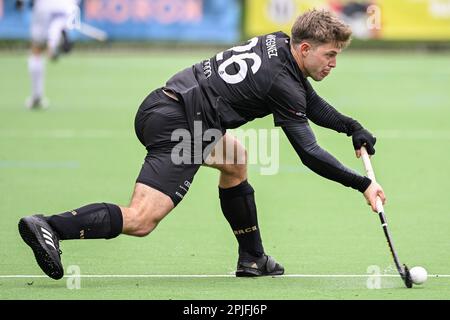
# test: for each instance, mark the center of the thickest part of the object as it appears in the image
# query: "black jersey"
(256, 79)
(245, 82)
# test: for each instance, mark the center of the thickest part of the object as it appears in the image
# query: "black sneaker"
(44, 242)
(250, 266)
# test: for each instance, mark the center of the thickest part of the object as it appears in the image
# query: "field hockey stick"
(402, 270)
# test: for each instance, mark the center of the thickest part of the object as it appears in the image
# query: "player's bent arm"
(320, 161)
(323, 114)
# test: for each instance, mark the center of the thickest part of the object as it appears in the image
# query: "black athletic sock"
(94, 221)
(239, 208)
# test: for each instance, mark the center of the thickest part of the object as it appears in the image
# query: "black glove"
(362, 137)
(19, 4)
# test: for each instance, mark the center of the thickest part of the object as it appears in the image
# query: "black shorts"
(167, 167)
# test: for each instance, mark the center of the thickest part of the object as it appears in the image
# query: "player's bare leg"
(147, 208)
(238, 206)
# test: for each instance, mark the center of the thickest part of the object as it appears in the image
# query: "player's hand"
(372, 192)
(362, 137)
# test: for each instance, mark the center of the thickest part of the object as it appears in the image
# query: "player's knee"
(236, 171)
(237, 165)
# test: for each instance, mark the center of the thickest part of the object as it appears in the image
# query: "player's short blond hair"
(320, 27)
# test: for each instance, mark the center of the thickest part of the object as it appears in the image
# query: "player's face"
(318, 60)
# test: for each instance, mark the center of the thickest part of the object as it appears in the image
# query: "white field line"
(216, 276)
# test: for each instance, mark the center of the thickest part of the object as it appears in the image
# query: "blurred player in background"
(266, 76)
(49, 23)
